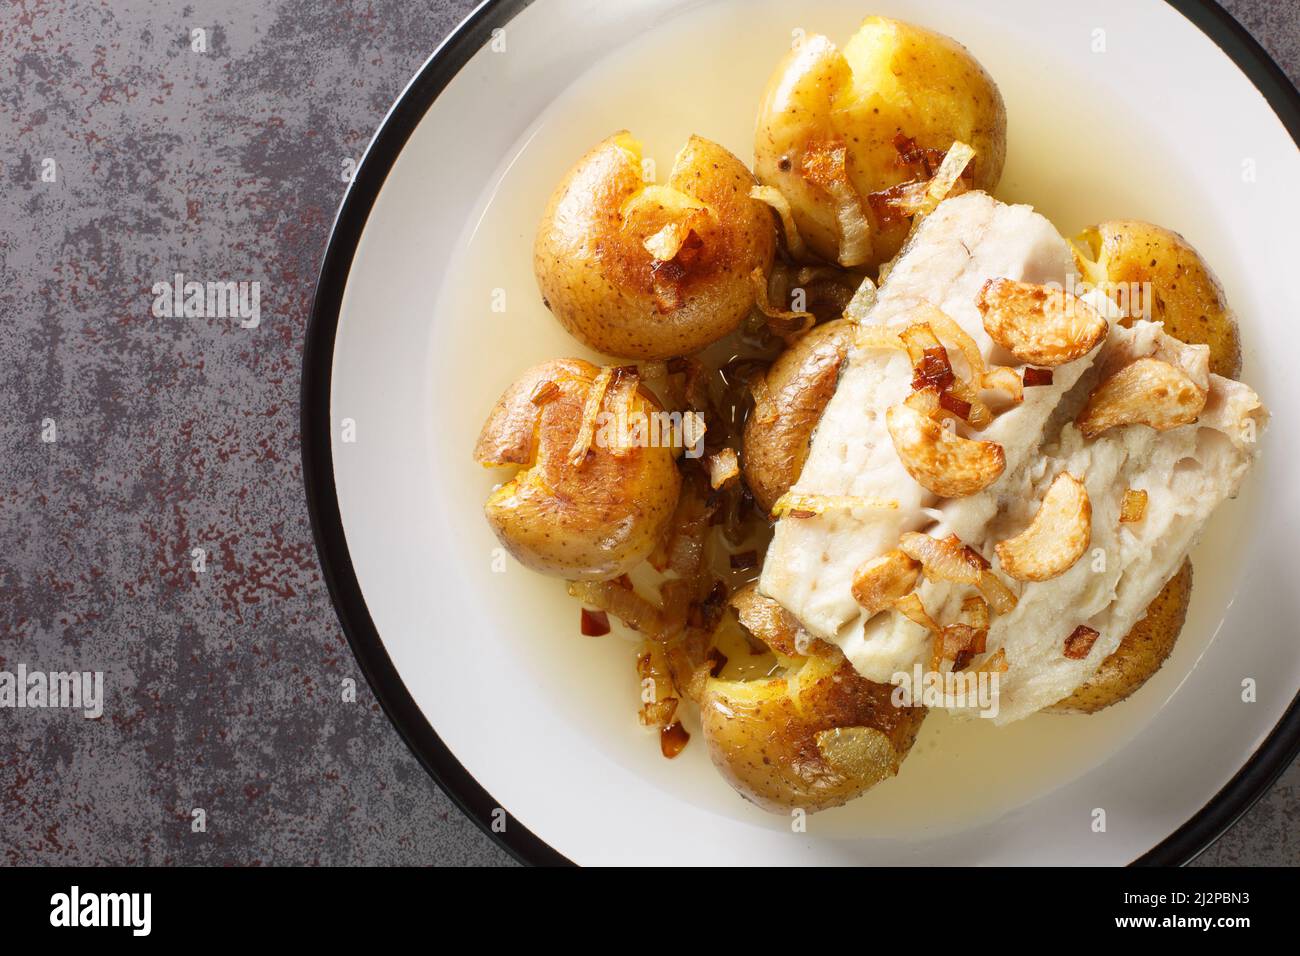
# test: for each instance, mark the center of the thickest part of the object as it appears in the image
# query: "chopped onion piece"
(673, 740)
(670, 212)
(693, 429)
(663, 245)
(594, 623)
(824, 165)
(942, 560)
(900, 202)
(658, 690)
(945, 327)
(1134, 506)
(780, 321)
(1000, 597)
(910, 606)
(954, 164)
(1004, 379)
(1037, 376)
(862, 302)
(958, 643)
(618, 598)
(882, 580)
(975, 611)
(1080, 641)
(930, 365)
(546, 391)
(590, 411)
(776, 199)
(799, 505)
(995, 663)
(980, 415)
(724, 467)
(877, 337)
(958, 406)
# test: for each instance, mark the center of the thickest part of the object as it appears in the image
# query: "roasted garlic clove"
(1057, 537)
(1038, 324)
(1146, 392)
(943, 463)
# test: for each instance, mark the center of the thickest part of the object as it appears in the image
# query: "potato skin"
(1141, 653)
(891, 78)
(800, 382)
(1186, 295)
(762, 734)
(610, 292)
(590, 523)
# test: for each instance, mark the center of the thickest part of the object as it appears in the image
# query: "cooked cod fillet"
(1186, 471)
(809, 567)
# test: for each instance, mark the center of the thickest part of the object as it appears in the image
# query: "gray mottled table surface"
(136, 447)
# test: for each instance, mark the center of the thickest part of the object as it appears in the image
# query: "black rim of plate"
(1237, 796)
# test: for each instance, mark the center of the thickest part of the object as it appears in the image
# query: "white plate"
(485, 674)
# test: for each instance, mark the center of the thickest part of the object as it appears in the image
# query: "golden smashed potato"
(588, 521)
(815, 737)
(648, 271)
(1141, 653)
(779, 429)
(1122, 254)
(838, 129)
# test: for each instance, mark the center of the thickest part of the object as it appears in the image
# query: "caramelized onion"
(724, 467)
(594, 623)
(1134, 506)
(773, 197)
(590, 412)
(881, 581)
(673, 740)
(824, 165)
(806, 505)
(780, 321)
(942, 560)
(910, 606)
(1080, 641)
(1000, 597)
(618, 598)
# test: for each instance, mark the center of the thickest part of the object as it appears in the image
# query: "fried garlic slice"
(1146, 392)
(943, 463)
(1038, 324)
(1057, 537)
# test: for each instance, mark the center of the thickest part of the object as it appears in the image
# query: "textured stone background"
(182, 433)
